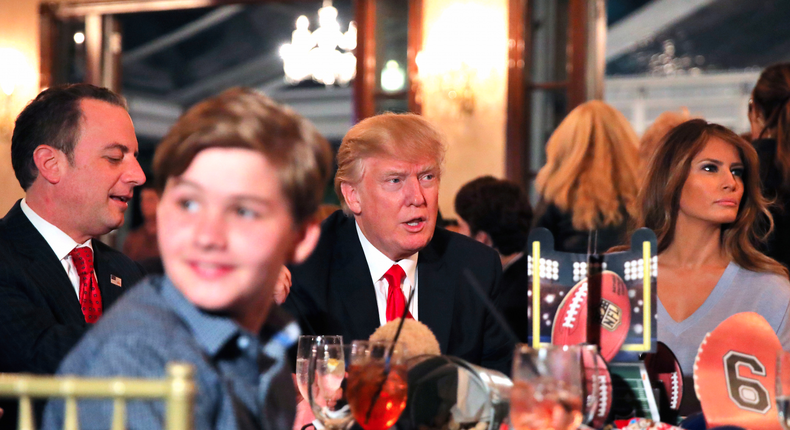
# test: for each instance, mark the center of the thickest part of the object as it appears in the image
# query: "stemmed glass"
(377, 383)
(547, 388)
(326, 377)
(303, 351)
(783, 388)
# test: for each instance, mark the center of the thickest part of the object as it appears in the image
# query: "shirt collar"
(212, 332)
(378, 263)
(60, 242)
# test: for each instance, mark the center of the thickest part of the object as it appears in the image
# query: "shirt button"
(243, 342)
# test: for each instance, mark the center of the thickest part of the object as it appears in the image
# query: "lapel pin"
(115, 281)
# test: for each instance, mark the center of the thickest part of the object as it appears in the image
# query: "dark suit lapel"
(353, 285)
(107, 275)
(436, 294)
(44, 269)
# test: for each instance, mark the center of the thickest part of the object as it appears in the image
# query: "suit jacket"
(332, 293)
(40, 314)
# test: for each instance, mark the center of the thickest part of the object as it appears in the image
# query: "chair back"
(176, 390)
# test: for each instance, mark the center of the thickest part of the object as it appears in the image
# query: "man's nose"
(414, 193)
(134, 174)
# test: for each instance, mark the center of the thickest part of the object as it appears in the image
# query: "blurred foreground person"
(385, 243)
(590, 180)
(702, 198)
(769, 116)
(497, 213)
(240, 178)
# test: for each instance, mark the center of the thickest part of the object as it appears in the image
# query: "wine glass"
(547, 388)
(592, 364)
(304, 348)
(326, 377)
(783, 388)
(377, 383)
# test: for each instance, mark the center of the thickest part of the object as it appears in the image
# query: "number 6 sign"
(734, 373)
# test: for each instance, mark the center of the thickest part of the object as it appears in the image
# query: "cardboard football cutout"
(735, 373)
(664, 373)
(567, 287)
(603, 387)
(570, 321)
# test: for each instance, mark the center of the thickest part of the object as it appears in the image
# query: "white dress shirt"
(378, 263)
(60, 242)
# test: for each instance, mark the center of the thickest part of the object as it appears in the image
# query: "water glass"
(547, 388)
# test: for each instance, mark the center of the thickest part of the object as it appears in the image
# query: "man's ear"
(484, 238)
(351, 196)
(306, 241)
(49, 162)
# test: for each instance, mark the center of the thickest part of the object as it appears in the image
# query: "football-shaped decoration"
(570, 321)
(595, 367)
(735, 373)
(664, 372)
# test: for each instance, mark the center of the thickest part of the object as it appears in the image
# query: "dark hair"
(669, 169)
(244, 118)
(52, 118)
(771, 96)
(498, 207)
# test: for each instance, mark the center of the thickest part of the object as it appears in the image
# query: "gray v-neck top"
(738, 290)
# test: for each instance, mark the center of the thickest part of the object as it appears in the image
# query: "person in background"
(240, 179)
(74, 152)
(385, 244)
(497, 213)
(662, 125)
(702, 199)
(140, 244)
(769, 116)
(591, 179)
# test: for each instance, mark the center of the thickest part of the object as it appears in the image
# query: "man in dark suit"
(74, 153)
(386, 244)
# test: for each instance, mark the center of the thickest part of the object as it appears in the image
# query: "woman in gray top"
(702, 199)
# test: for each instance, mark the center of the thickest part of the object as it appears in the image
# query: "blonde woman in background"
(663, 124)
(590, 180)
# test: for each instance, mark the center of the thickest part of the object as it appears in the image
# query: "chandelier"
(324, 54)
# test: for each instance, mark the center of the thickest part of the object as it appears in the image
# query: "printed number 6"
(748, 394)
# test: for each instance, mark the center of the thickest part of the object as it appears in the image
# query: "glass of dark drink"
(377, 387)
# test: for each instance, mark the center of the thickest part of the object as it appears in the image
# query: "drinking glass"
(326, 377)
(592, 363)
(377, 383)
(547, 388)
(783, 388)
(304, 348)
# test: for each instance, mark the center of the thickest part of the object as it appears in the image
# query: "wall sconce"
(465, 46)
(14, 76)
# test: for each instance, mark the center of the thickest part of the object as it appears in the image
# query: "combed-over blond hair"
(403, 136)
(592, 165)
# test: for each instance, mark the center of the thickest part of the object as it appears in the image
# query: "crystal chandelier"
(324, 54)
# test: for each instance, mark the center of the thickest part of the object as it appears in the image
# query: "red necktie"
(90, 297)
(396, 301)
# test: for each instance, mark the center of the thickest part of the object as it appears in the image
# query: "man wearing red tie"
(74, 152)
(384, 246)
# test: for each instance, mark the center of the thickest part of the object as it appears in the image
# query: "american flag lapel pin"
(115, 281)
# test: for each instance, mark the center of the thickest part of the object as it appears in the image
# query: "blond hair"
(663, 124)
(404, 136)
(592, 167)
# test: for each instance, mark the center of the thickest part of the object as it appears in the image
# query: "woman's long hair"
(669, 169)
(592, 167)
(771, 96)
